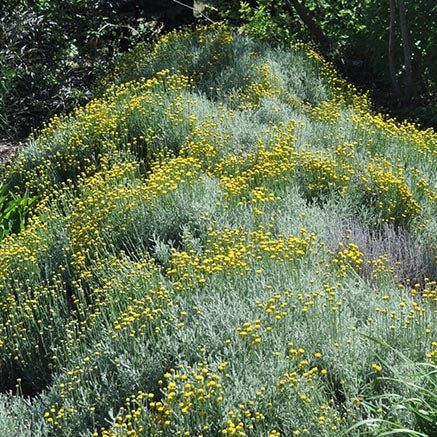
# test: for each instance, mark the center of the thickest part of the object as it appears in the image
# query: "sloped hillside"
(227, 242)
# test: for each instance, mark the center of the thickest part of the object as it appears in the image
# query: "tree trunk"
(406, 45)
(309, 21)
(391, 50)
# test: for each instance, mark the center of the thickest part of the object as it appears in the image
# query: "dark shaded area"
(167, 12)
(17, 379)
(422, 109)
(54, 54)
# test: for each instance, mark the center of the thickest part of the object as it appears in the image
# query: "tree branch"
(194, 10)
(309, 21)
(406, 45)
(391, 49)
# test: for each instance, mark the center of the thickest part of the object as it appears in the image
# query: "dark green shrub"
(14, 211)
(52, 52)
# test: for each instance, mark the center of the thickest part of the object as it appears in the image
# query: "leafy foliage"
(14, 211)
(52, 53)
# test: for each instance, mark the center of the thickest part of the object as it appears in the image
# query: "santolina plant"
(222, 245)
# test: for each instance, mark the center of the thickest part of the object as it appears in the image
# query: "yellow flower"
(376, 367)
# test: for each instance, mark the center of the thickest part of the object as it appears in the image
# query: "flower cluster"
(176, 277)
(231, 251)
(349, 257)
(388, 193)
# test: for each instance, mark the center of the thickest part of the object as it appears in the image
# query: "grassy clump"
(222, 246)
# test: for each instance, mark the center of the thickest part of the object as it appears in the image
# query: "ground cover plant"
(227, 242)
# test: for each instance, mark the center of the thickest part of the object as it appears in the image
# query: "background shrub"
(52, 53)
